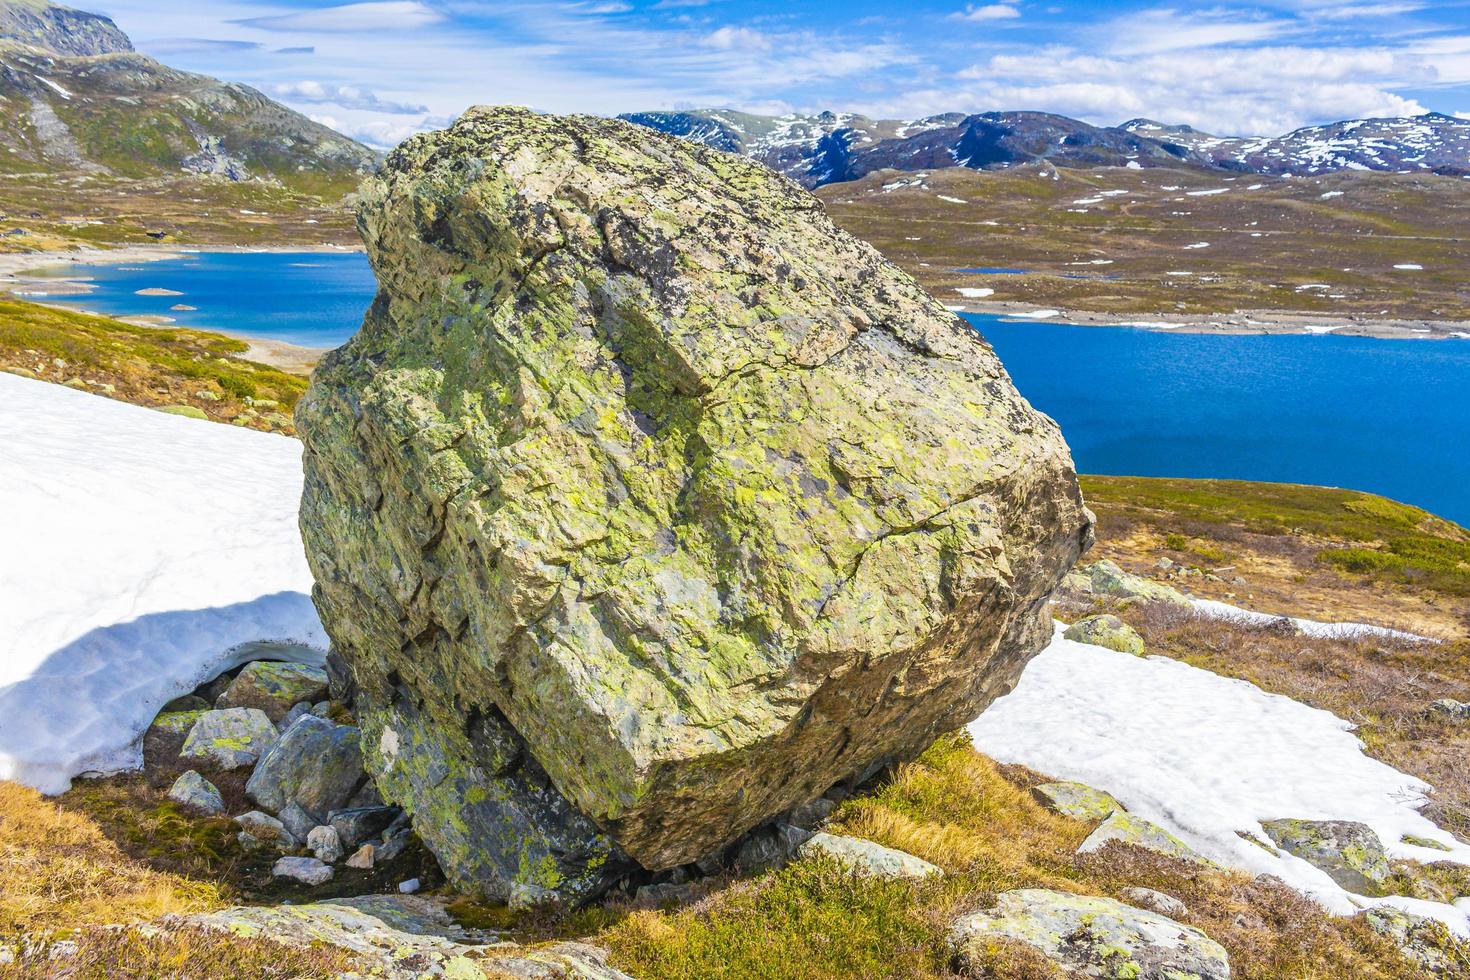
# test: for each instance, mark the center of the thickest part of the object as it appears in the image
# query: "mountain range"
(75, 97)
(830, 147)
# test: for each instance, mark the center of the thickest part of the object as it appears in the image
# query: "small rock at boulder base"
(362, 857)
(402, 937)
(1106, 578)
(1106, 631)
(1449, 708)
(324, 843)
(1154, 901)
(297, 821)
(1425, 941)
(1092, 937)
(1125, 828)
(196, 792)
(274, 687)
(1349, 852)
(308, 871)
(230, 737)
(685, 502)
(359, 823)
(866, 858)
(316, 763)
(266, 830)
(770, 847)
(408, 887)
(1076, 800)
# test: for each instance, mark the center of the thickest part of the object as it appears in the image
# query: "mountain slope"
(60, 30)
(831, 147)
(78, 99)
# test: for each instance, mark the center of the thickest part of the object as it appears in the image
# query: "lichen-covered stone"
(1349, 852)
(695, 500)
(229, 737)
(1125, 828)
(1093, 937)
(1450, 709)
(165, 738)
(866, 858)
(1155, 901)
(1106, 631)
(194, 791)
(405, 937)
(1423, 940)
(274, 687)
(324, 844)
(1076, 800)
(1106, 578)
(264, 830)
(316, 763)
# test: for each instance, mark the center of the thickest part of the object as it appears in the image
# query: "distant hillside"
(833, 147)
(78, 99)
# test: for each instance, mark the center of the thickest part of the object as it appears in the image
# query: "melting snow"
(1199, 245)
(1410, 267)
(952, 200)
(55, 88)
(1207, 757)
(1217, 190)
(144, 553)
(975, 292)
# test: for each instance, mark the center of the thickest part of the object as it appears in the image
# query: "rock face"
(647, 504)
(60, 30)
(1093, 937)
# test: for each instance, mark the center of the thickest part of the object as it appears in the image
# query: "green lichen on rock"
(274, 687)
(1092, 937)
(229, 737)
(1107, 579)
(1076, 800)
(640, 456)
(1122, 827)
(1349, 852)
(1107, 631)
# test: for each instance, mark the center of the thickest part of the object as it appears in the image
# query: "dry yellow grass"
(59, 872)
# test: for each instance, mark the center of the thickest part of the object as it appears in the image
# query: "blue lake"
(315, 299)
(1388, 416)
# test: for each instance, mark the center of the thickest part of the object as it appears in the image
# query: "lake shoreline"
(14, 266)
(1239, 323)
(286, 356)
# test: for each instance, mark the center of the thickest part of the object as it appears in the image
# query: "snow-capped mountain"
(830, 147)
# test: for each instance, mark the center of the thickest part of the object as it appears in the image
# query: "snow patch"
(1409, 267)
(975, 292)
(952, 200)
(54, 87)
(144, 554)
(1206, 757)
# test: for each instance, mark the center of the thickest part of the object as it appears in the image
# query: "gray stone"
(316, 763)
(307, 870)
(1076, 800)
(297, 710)
(866, 858)
(1106, 578)
(324, 843)
(359, 824)
(274, 687)
(408, 937)
(1092, 937)
(1349, 852)
(230, 738)
(1154, 901)
(1450, 709)
(196, 792)
(267, 831)
(390, 848)
(1125, 828)
(693, 499)
(297, 821)
(770, 847)
(1421, 939)
(1106, 631)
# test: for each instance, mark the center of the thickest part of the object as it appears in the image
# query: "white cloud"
(380, 133)
(988, 11)
(375, 15)
(347, 96)
(1158, 31)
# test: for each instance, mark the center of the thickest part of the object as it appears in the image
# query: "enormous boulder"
(647, 504)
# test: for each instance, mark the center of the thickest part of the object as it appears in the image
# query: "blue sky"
(381, 69)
